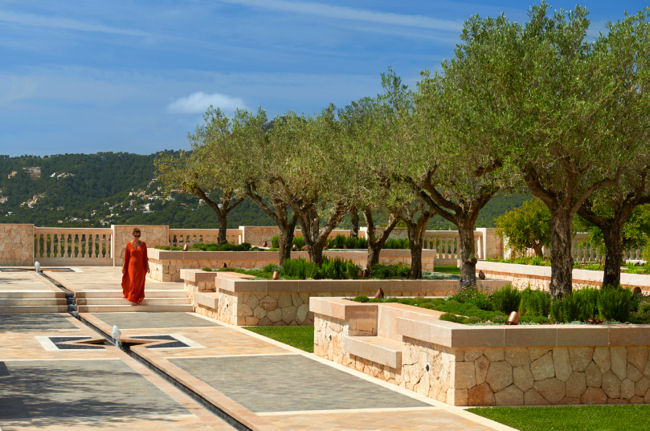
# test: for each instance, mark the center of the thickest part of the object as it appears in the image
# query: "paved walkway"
(52, 377)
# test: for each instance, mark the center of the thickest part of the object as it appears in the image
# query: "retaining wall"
(485, 365)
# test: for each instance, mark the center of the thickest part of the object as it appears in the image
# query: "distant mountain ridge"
(92, 190)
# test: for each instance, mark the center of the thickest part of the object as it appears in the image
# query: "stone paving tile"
(219, 341)
(133, 320)
(25, 281)
(432, 419)
(90, 278)
(35, 322)
(290, 382)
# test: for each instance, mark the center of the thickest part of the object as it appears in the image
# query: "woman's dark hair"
(136, 230)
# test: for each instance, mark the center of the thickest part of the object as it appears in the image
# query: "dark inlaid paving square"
(289, 383)
(141, 320)
(174, 342)
(45, 392)
(34, 322)
(61, 343)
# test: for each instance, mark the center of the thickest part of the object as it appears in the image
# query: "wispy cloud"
(347, 13)
(198, 102)
(65, 24)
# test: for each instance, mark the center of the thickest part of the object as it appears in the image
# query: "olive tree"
(204, 171)
(528, 226)
(569, 99)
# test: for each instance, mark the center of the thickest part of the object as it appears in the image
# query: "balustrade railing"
(179, 237)
(66, 246)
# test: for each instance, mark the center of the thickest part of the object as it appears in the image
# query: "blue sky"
(83, 76)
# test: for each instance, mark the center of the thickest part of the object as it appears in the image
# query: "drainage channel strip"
(72, 309)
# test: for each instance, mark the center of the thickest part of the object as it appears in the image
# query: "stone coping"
(579, 275)
(422, 324)
(154, 253)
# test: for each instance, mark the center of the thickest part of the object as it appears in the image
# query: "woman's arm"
(144, 254)
(127, 256)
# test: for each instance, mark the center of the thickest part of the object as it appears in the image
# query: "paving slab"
(135, 320)
(35, 322)
(25, 281)
(89, 278)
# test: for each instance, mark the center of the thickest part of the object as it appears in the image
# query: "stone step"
(150, 293)
(32, 302)
(14, 309)
(180, 300)
(134, 308)
(31, 294)
(381, 350)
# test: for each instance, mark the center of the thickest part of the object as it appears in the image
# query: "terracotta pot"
(276, 275)
(513, 319)
(185, 247)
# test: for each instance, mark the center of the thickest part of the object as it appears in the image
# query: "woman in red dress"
(135, 269)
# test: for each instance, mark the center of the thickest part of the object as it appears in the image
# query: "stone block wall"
(16, 244)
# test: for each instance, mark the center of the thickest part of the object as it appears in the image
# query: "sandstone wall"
(16, 244)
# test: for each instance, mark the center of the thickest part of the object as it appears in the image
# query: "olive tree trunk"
(561, 252)
(467, 254)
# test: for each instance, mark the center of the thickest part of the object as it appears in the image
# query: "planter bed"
(539, 277)
(485, 365)
(239, 299)
(166, 265)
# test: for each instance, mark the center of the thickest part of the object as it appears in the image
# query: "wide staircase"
(106, 301)
(37, 301)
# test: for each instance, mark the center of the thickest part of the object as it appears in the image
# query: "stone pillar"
(153, 235)
(256, 235)
(492, 243)
(16, 244)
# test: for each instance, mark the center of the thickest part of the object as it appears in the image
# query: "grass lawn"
(301, 337)
(447, 269)
(569, 418)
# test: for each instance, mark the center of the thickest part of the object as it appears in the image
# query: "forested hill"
(119, 188)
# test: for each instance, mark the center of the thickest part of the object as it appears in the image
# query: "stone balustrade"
(485, 365)
(73, 246)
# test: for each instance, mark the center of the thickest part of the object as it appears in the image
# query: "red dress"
(135, 271)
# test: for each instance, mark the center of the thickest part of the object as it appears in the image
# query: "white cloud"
(64, 24)
(198, 102)
(347, 13)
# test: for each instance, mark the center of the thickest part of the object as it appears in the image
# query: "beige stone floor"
(25, 281)
(87, 278)
(24, 346)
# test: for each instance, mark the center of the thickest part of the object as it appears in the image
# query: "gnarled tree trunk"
(561, 252)
(286, 240)
(376, 244)
(467, 253)
(354, 219)
(613, 254)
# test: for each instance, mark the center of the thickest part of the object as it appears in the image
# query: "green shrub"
(538, 320)
(534, 303)
(389, 271)
(473, 296)
(361, 298)
(506, 299)
(208, 269)
(341, 241)
(298, 269)
(452, 318)
(564, 309)
(224, 247)
(298, 241)
(615, 303)
(338, 269)
(275, 241)
(586, 303)
(394, 243)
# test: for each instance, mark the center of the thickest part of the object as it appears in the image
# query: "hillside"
(120, 188)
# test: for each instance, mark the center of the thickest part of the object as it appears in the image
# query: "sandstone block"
(522, 377)
(301, 313)
(465, 375)
(268, 303)
(542, 368)
(646, 399)
(602, 358)
(250, 321)
(593, 376)
(284, 300)
(460, 397)
(481, 395)
(296, 299)
(494, 355)
(638, 356)
(289, 314)
(264, 321)
(636, 400)
(499, 375)
(274, 315)
(537, 352)
(481, 366)
(632, 373)
(576, 385)
(553, 390)
(259, 312)
(619, 361)
(517, 357)
(472, 355)
(533, 398)
(594, 396)
(510, 396)
(641, 386)
(244, 310)
(561, 363)
(627, 389)
(611, 385)
(569, 401)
